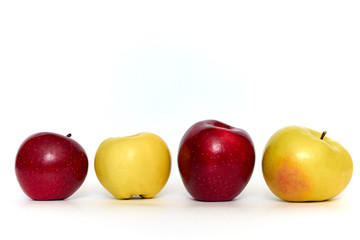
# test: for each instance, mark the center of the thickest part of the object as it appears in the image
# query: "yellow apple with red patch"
(300, 164)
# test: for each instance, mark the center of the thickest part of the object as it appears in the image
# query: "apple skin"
(215, 160)
(137, 165)
(50, 166)
(299, 166)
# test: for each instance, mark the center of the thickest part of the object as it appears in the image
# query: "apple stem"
(69, 135)
(323, 135)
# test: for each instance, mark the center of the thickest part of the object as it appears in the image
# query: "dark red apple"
(215, 160)
(50, 166)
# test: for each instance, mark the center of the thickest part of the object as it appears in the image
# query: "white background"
(114, 68)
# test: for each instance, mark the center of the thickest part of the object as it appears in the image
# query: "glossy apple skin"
(299, 166)
(215, 160)
(137, 165)
(50, 166)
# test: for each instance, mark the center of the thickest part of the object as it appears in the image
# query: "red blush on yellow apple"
(291, 182)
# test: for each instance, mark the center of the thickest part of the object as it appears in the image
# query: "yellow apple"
(136, 165)
(300, 164)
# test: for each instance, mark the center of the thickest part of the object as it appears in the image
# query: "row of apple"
(215, 160)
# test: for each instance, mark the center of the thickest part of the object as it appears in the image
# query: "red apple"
(215, 160)
(50, 166)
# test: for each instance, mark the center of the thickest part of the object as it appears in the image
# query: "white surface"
(114, 68)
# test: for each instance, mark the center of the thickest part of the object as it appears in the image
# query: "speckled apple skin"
(215, 160)
(50, 166)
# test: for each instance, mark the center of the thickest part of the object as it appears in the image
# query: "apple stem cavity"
(69, 135)
(323, 135)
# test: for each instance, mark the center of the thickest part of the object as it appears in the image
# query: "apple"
(50, 166)
(300, 164)
(215, 160)
(137, 165)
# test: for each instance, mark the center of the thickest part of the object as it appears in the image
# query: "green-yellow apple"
(136, 165)
(300, 164)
